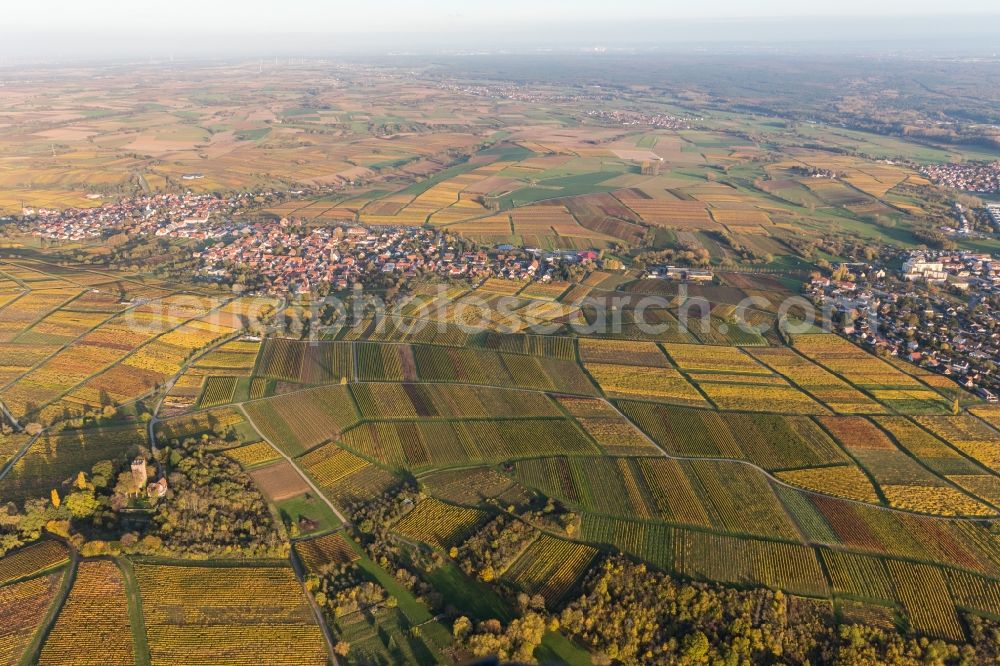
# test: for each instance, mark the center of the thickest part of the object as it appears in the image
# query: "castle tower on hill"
(139, 476)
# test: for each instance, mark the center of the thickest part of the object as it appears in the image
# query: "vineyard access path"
(317, 611)
(295, 466)
(17, 456)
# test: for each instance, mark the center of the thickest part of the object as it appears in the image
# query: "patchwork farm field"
(761, 481)
(711, 461)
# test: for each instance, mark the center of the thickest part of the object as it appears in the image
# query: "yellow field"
(713, 358)
(848, 482)
(253, 455)
(438, 524)
(228, 615)
(760, 398)
(93, 621)
(937, 500)
(637, 381)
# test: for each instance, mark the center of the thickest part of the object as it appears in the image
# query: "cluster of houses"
(969, 176)
(965, 227)
(953, 329)
(162, 214)
(280, 257)
(962, 270)
(510, 91)
(637, 118)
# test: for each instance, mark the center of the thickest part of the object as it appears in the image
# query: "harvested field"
(279, 481)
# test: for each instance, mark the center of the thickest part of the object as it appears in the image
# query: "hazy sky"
(286, 16)
(54, 30)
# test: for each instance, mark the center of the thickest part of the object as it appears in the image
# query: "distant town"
(281, 257)
(635, 118)
(177, 215)
(983, 178)
(939, 310)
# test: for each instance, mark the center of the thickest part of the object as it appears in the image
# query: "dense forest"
(633, 615)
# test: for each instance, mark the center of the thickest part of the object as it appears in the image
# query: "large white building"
(994, 211)
(919, 268)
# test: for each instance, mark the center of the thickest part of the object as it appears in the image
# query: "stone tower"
(139, 476)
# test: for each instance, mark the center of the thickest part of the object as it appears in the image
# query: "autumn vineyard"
(202, 462)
